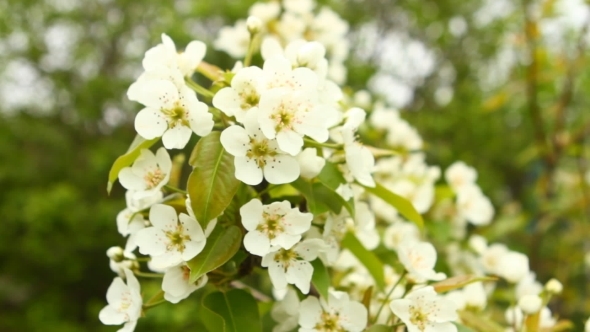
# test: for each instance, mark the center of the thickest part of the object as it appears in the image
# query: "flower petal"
(150, 123)
(281, 169)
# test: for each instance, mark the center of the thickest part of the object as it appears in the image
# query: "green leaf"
(128, 158)
(458, 282)
(222, 244)
(401, 204)
(320, 198)
(238, 309)
(332, 178)
(380, 328)
(463, 328)
(212, 183)
(211, 320)
(320, 278)
(366, 257)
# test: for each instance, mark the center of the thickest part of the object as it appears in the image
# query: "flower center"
(249, 98)
(283, 118)
(418, 317)
(177, 115)
(259, 151)
(177, 239)
(286, 257)
(153, 178)
(273, 225)
(329, 323)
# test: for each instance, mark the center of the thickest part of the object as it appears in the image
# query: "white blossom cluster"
(283, 121)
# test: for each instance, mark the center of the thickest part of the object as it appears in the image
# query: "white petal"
(271, 47)
(248, 171)
(277, 274)
(251, 214)
(257, 243)
(200, 120)
(151, 241)
(228, 101)
(163, 160)
(192, 56)
(130, 181)
(116, 291)
(158, 94)
(150, 123)
(281, 169)
(289, 141)
(300, 275)
(109, 316)
(163, 217)
(192, 249)
(235, 140)
(296, 222)
(353, 317)
(177, 137)
(310, 312)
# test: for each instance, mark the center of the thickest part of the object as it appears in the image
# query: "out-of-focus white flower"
(419, 258)
(299, 6)
(514, 317)
(172, 239)
(359, 160)
(140, 200)
(286, 312)
(149, 172)
(459, 175)
(233, 40)
(478, 243)
(165, 55)
(528, 285)
(530, 304)
(272, 226)
(291, 266)
(339, 313)
(265, 11)
(124, 303)
(424, 311)
(491, 258)
(475, 295)
(587, 325)
(513, 266)
(399, 232)
(176, 286)
(363, 226)
(256, 156)
(554, 286)
(399, 133)
(474, 206)
(254, 25)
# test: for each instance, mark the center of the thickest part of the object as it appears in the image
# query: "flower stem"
(265, 190)
(198, 89)
(174, 189)
(250, 53)
(155, 300)
(312, 143)
(148, 274)
(388, 295)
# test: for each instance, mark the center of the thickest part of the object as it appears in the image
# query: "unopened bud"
(115, 253)
(554, 286)
(530, 304)
(254, 25)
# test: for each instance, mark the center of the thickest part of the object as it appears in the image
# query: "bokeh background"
(500, 84)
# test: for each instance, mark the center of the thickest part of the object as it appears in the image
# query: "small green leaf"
(320, 278)
(211, 320)
(128, 158)
(458, 282)
(380, 328)
(366, 257)
(332, 178)
(238, 309)
(212, 183)
(314, 205)
(401, 204)
(320, 198)
(222, 244)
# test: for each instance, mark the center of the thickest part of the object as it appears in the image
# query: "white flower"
(474, 206)
(255, 155)
(363, 225)
(339, 313)
(120, 260)
(265, 11)
(286, 312)
(141, 200)
(172, 112)
(124, 303)
(419, 258)
(513, 266)
(528, 286)
(459, 175)
(243, 95)
(475, 295)
(492, 257)
(399, 232)
(169, 241)
(530, 304)
(291, 266)
(424, 311)
(234, 40)
(554, 286)
(149, 172)
(165, 54)
(310, 163)
(359, 160)
(272, 226)
(176, 286)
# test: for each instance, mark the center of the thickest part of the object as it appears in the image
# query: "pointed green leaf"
(458, 282)
(332, 178)
(212, 183)
(128, 158)
(314, 205)
(238, 309)
(222, 244)
(401, 204)
(320, 198)
(366, 257)
(211, 320)
(320, 278)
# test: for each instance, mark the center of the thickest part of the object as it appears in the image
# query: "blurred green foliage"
(57, 148)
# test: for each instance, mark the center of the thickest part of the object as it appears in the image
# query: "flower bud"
(478, 243)
(530, 304)
(310, 54)
(310, 163)
(254, 25)
(115, 253)
(554, 286)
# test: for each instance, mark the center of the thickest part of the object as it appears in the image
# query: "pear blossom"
(359, 160)
(474, 206)
(176, 286)
(172, 239)
(530, 304)
(513, 266)
(141, 200)
(459, 175)
(338, 313)
(243, 94)
(256, 156)
(424, 311)
(272, 226)
(554, 286)
(233, 40)
(363, 226)
(124, 303)
(475, 296)
(419, 258)
(399, 232)
(286, 312)
(310, 163)
(265, 11)
(120, 260)
(129, 223)
(149, 172)
(491, 258)
(165, 55)
(528, 285)
(291, 266)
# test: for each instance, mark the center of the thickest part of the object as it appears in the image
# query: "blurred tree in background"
(497, 84)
